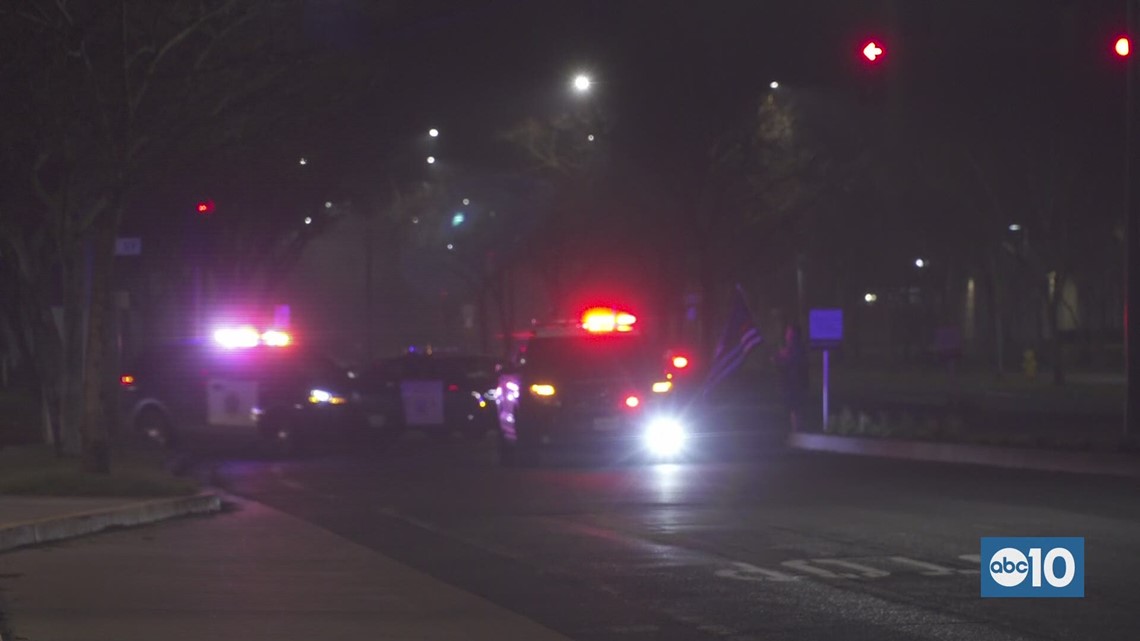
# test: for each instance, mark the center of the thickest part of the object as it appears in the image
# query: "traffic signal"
(1123, 47)
(873, 51)
(205, 207)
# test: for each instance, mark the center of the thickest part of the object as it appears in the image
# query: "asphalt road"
(752, 543)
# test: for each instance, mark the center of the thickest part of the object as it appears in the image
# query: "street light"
(919, 263)
(433, 132)
(870, 297)
(308, 220)
(774, 85)
(582, 83)
(328, 204)
(458, 219)
(466, 201)
(431, 160)
(303, 161)
(1014, 227)
(590, 138)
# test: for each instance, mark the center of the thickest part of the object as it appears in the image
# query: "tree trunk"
(95, 429)
(70, 358)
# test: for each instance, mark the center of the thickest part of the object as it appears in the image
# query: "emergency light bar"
(607, 319)
(247, 336)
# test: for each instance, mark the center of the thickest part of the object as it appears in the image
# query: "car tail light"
(126, 380)
(453, 388)
(632, 401)
(680, 362)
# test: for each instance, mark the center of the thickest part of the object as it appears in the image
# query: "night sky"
(473, 67)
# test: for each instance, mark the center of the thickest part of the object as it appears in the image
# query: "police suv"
(596, 381)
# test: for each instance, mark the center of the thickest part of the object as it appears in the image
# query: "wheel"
(517, 454)
(154, 426)
(282, 439)
(506, 451)
(474, 433)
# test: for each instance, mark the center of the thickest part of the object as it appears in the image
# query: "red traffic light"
(873, 51)
(1123, 47)
(205, 206)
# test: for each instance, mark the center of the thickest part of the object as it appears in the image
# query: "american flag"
(740, 337)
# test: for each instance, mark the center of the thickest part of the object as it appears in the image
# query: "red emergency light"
(600, 320)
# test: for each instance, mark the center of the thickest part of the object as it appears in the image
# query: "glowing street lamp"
(582, 83)
(774, 85)
(433, 132)
(431, 160)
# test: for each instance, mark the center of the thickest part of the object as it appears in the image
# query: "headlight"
(319, 396)
(665, 437)
(542, 389)
(661, 387)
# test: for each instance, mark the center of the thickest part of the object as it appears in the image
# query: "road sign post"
(825, 331)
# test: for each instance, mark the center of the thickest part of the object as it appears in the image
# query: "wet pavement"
(750, 542)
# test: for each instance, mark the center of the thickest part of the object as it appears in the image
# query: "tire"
(517, 454)
(155, 428)
(506, 452)
(282, 441)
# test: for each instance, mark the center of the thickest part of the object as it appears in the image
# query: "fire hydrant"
(1029, 364)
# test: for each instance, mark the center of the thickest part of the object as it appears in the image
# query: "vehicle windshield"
(590, 357)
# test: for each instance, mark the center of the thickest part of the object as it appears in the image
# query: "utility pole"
(1132, 237)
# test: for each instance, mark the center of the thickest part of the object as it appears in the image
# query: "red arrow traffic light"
(205, 206)
(873, 51)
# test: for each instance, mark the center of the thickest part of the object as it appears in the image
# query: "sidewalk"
(254, 573)
(31, 520)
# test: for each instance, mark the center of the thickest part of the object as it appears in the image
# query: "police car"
(431, 392)
(245, 384)
(594, 381)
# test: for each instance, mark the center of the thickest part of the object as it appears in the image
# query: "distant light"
(328, 204)
(276, 338)
(632, 401)
(870, 297)
(919, 263)
(126, 379)
(433, 132)
(466, 201)
(415, 220)
(205, 206)
(873, 51)
(582, 83)
(774, 85)
(308, 220)
(680, 362)
(458, 219)
(1123, 46)
(450, 247)
(1015, 227)
(590, 137)
(662, 387)
(303, 161)
(236, 337)
(431, 160)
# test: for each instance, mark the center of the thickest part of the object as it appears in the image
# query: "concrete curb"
(1107, 463)
(82, 523)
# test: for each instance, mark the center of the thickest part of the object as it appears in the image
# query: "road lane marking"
(925, 569)
(742, 571)
(865, 571)
(844, 569)
(973, 559)
(804, 565)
